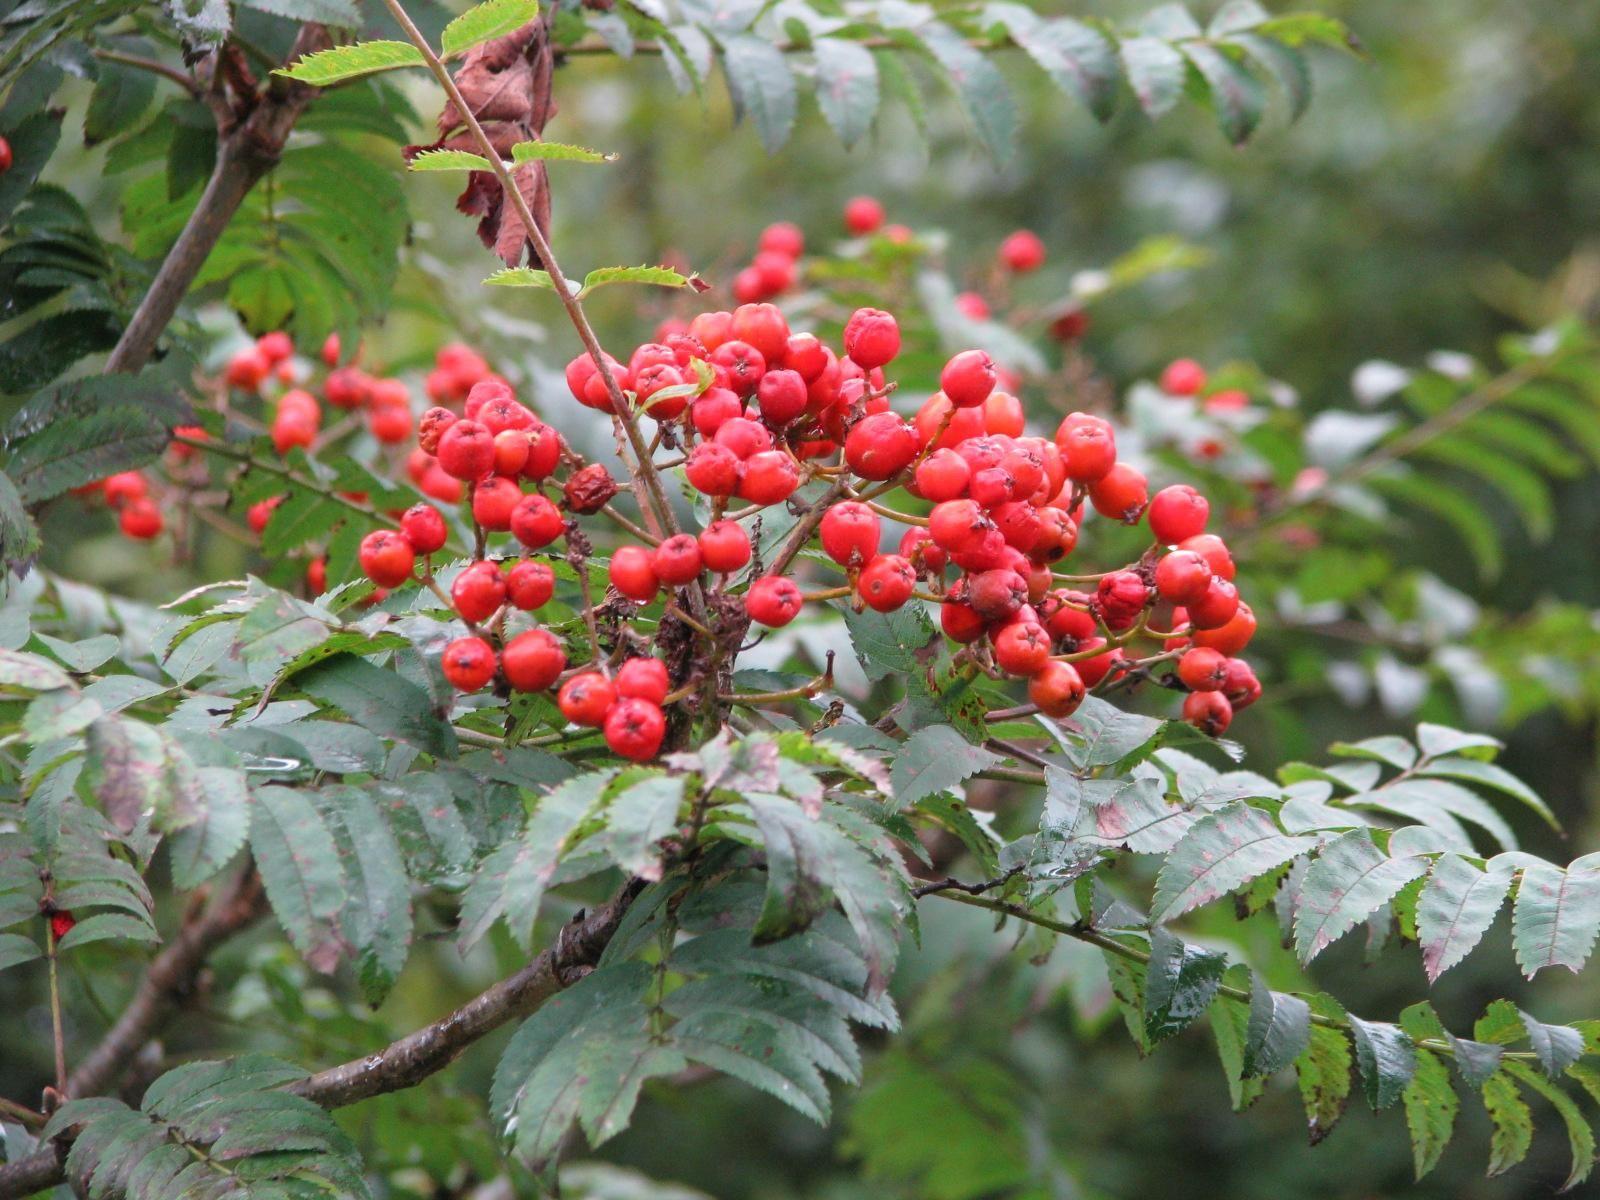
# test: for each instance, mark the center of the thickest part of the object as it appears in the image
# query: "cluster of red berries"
(775, 269)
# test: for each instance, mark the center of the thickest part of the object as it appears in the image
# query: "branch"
(244, 155)
(182, 78)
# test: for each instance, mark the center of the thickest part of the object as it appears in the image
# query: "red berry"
(783, 237)
(466, 450)
(862, 215)
(633, 575)
(536, 521)
(586, 698)
(424, 528)
(871, 337)
(347, 388)
(247, 370)
(1203, 670)
(130, 485)
(713, 469)
(1058, 534)
(744, 364)
(1214, 550)
(445, 488)
(1177, 512)
(533, 660)
(141, 519)
(850, 533)
(1022, 648)
(773, 600)
(712, 328)
(317, 577)
(291, 429)
(544, 451)
(880, 446)
(1022, 251)
(1122, 594)
(1209, 712)
(387, 558)
(743, 436)
(959, 622)
(1183, 377)
(1121, 494)
(1182, 576)
(769, 477)
(330, 349)
(806, 356)
(1088, 447)
(943, 475)
(431, 427)
(651, 386)
(643, 679)
(958, 525)
(764, 328)
(468, 663)
(724, 546)
(886, 583)
(1232, 637)
(917, 545)
(260, 513)
(997, 594)
(677, 560)
(775, 273)
(5, 156)
(1057, 689)
(478, 592)
(968, 378)
(61, 921)
(510, 452)
(1067, 617)
(712, 409)
(275, 346)
(1216, 606)
(1240, 685)
(529, 585)
(782, 396)
(634, 729)
(390, 423)
(494, 499)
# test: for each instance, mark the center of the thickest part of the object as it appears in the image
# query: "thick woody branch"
(245, 153)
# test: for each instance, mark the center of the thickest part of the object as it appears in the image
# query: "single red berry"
(1183, 377)
(1088, 446)
(291, 429)
(783, 237)
(247, 370)
(943, 475)
(676, 561)
(633, 575)
(744, 437)
(1209, 712)
(500, 411)
(1022, 648)
(917, 545)
(968, 378)
(275, 346)
(1214, 550)
(347, 388)
(494, 499)
(1216, 606)
(466, 450)
(997, 594)
(431, 427)
(1122, 594)
(533, 660)
(479, 591)
(782, 396)
(529, 585)
(1232, 637)
(774, 273)
(1182, 577)
(424, 528)
(510, 452)
(1239, 684)
(387, 558)
(141, 519)
(586, 698)
(769, 477)
(712, 409)
(850, 533)
(1203, 670)
(468, 663)
(863, 215)
(643, 679)
(773, 600)
(317, 577)
(724, 546)
(871, 337)
(1067, 616)
(886, 582)
(764, 328)
(1022, 251)
(62, 920)
(390, 423)
(880, 446)
(1057, 689)
(590, 489)
(744, 364)
(805, 355)
(260, 513)
(1058, 535)
(330, 350)
(960, 622)
(1177, 512)
(659, 389)
(634, 729)
(129, 485)
(544, 451)
(958, 525)
(1120, 494)
(536, 521)
(713, 469)
(446, 489)
(5, 156)
(712, 328)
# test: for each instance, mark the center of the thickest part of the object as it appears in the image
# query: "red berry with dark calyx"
(494, 499)
(529, 585)
(871, 337)
(943, 475)
(1216, 606)
(1057, 689)
(466, 450)
(769, 477)
(1240, 685)
(1202, 669)
(590, 489)
(544, 451)
(1183, 377)
(960, 622)
(968, 378)
(478, 592)
(536, 521)
(1022, 648)
(387, 558)
(634, 729)
(1088, 447)
(764, 328)
(1120, 494)
(643, 679)
(676, 561)
(996, 595)
(1058, 535)
(468, 663)
(1067, 616)
(1122, 592)
(724, 546)
(1177, 513)
(886, 582)
(1182, 577)
(633, 575)
(773, 601)
(533, 660)
(1232, 637)
(880, 446)
(850, 533)
(744, 364)
(660, 392)
(141, 519)
(1209, 712)
(586, 698)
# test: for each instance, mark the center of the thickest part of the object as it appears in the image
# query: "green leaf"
(1286, 65)
(1457, 905)
(380, 700)
(638, 817)
(1556, 1046)
(979, 84)
(655, 276)
(1181, 981)
(936, 759)
(126, 769)
(1513, 1123)
(1080, 60)
(16, 949)
(53, 344)
(33, 140)
(1347, 882)
(107, 927)
(1556, 916)
(1387, 1059)
(542, 151)
(1580, 1136)
(847, 86)
(491, 19)
(449, 160)
(341, 13)
(204, 847)
(1486, 774)
(1470, 523)
(22, 670)
(19, 536)
(347, 62)
(376, 920)
(521, 277)
(299, 864)
(1106, 734)
(1431, 1106)
(1229, 1021)
(1323, 1072)
(761, 85)
(120, 97)
(1156, 72)
(1279, 1030)
(1222, 851)
(1236, 95)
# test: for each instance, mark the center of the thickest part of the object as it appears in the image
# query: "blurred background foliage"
(1439, 194)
